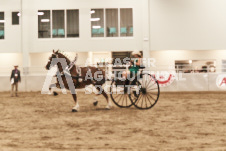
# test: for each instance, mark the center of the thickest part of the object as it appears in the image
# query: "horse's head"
(56, 55)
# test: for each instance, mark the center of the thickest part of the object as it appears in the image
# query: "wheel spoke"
(148, 99)
(151, 85)
(148, 82)
(152, 97)
(117, 96)
(153, 93)
(152, 89)
(139, 99)
(126, 100)
(143, 82)
(142, 102)
(123, 99)
(119, 99)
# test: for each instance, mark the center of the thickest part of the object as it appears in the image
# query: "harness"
(79, 75)
(78, 69)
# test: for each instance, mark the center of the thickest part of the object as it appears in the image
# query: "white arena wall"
(187, 82)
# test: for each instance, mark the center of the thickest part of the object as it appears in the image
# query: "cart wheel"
(119, 94)
(148, 91)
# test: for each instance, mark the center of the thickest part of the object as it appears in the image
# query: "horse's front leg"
(53, 86)
(76, 107)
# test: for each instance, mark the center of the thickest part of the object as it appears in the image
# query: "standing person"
(15, 78)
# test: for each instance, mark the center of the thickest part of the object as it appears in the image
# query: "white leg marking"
(76, 107)
(109, 105)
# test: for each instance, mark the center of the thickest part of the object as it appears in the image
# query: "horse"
(78, 78)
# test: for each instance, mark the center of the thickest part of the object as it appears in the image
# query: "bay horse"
(76, 78)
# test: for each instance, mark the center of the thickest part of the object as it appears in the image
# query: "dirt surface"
(179, 121)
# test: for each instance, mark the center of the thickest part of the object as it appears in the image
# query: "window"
(58, 30)
(2, 24)
(106, 22)
(97, 22)
(112, 22)
(15, 18)
(72, 23)
(58, 23)
(44, 24)
(126, 22)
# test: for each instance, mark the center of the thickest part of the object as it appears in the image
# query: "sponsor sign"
(221, 81)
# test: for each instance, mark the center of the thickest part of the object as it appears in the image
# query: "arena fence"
(172, 79)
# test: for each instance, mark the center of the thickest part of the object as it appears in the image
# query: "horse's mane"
(64, 55)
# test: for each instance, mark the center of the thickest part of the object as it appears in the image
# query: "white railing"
(6, 71)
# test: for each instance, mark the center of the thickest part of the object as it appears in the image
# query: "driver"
(134, 65)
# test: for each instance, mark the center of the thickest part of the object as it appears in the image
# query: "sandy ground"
(177, 122)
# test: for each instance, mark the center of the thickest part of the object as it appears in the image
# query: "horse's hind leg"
(101, 91)
(76, 107)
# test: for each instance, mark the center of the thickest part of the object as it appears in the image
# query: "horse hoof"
(95, 103)
(55, 93)
(74, 110)
(107, 107)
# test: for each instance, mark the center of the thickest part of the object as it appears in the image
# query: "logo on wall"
(165, 80)
(221, 81)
